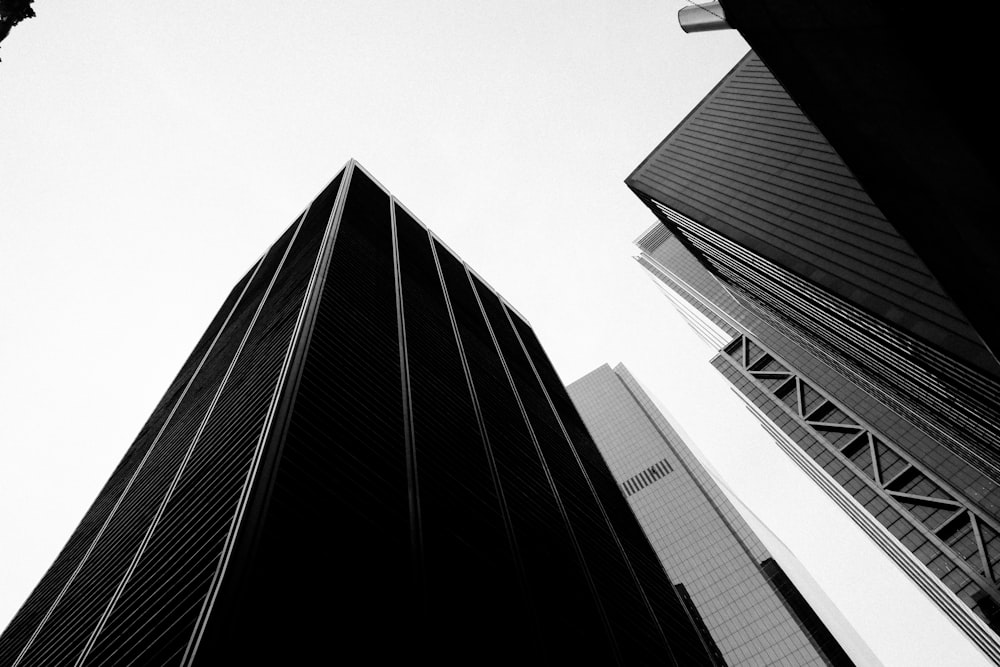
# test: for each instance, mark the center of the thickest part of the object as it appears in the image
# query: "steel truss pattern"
(958, 543)
(946, 398)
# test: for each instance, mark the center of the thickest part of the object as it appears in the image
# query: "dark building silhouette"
(931, 512)
(738, 594)
(760, 196)
(12, 13)
(912, 128)
(367, 458)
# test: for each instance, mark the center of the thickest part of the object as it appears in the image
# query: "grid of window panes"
(905, 526)
(702, 541)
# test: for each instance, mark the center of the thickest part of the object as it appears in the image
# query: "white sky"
(149, 153)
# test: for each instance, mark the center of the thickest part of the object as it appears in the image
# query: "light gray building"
(751, 610)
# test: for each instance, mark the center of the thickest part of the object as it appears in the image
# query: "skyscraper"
(750, 185)
(367, 456)
(911, 128)
(930, 511)
(749, 607)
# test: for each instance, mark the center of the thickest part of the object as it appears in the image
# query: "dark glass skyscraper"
(366, 458)
(754, 614)
(913, 129)
(756, 192)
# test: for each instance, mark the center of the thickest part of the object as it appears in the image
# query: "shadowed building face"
(367, 455)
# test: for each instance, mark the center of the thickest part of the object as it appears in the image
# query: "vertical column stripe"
(548, 475)
(494, 472)
(413, 490)
(590, 485)
(295, 345)
(187, 456)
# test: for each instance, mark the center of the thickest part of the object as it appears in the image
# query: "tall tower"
(751, 610)
(367, 456)
(930, 511)
(911, 128)
(757, 193)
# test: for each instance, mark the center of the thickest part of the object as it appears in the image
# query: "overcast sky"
(149, 153)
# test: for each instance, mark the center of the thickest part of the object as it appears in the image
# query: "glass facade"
(741, 596)
(957, 543)
(367, 454)
(931, 512)
(757, 193)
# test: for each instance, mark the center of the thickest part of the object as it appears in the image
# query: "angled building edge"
(367, 454)
(746, 604)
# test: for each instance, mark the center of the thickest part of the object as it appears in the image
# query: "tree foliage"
(13, 12)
